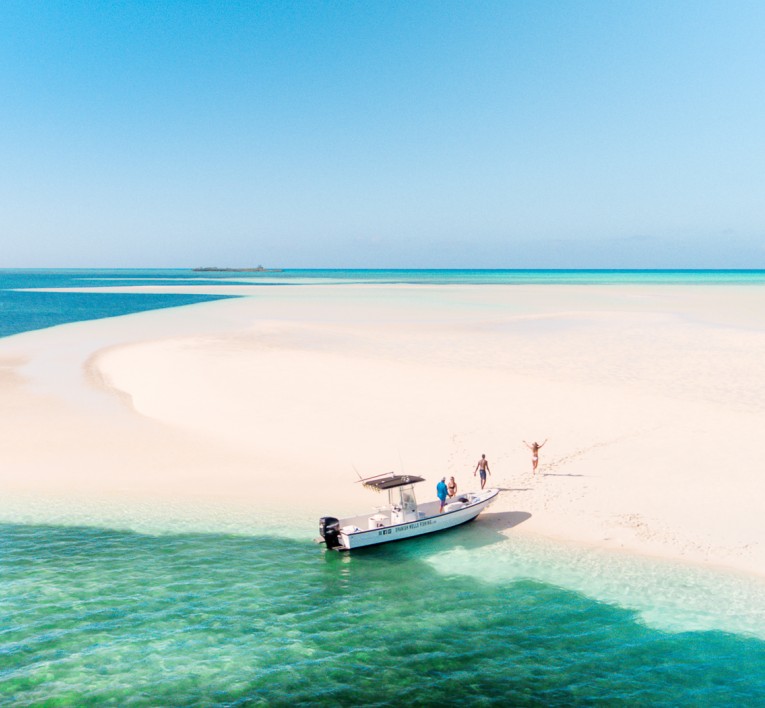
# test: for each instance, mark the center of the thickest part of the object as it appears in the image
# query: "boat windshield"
(403, 497)
(408, 502)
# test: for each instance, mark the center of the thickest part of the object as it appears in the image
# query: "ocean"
(35, 299)
(149, 617)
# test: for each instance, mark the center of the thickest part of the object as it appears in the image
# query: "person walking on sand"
(451, 487)
(441, 492)
(534, 447)
(483, 468)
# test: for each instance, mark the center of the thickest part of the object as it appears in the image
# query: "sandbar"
(262, 410)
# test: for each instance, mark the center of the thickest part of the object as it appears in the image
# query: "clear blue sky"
(382, 134)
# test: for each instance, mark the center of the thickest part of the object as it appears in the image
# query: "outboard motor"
(329, 528)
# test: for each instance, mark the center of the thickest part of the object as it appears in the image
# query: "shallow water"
(667, 595)
(92, 616)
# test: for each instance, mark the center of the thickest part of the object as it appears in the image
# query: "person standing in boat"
(534, 447)
(441, 491)
(483, 468)
(451, 488)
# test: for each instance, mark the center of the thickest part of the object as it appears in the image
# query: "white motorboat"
(402, 517)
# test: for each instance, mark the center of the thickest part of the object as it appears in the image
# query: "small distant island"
(258, 269)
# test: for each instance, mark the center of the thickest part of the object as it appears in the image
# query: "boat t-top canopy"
(390, 480)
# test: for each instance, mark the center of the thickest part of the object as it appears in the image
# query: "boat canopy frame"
(390, 480)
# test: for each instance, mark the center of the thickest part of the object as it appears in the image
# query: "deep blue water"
(22, 310)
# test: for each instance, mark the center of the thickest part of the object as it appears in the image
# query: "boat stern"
(329, 530)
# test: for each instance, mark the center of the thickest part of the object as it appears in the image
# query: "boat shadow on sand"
(504, 519)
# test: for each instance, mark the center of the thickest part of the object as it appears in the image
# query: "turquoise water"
(529, 277)
(25, 305)
(94, 616)
(99, 617)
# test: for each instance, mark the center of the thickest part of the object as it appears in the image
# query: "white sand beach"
(651, 398)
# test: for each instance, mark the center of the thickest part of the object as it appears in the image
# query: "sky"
(416, 134)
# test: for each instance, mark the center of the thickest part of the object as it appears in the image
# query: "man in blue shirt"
(441, 491)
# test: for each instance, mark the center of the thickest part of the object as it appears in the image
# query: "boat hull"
(419, 527)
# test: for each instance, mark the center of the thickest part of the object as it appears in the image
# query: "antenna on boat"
(361, 479)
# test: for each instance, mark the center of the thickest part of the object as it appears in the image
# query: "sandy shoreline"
(652, 398)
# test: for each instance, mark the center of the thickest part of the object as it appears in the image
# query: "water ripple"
(90, 616)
